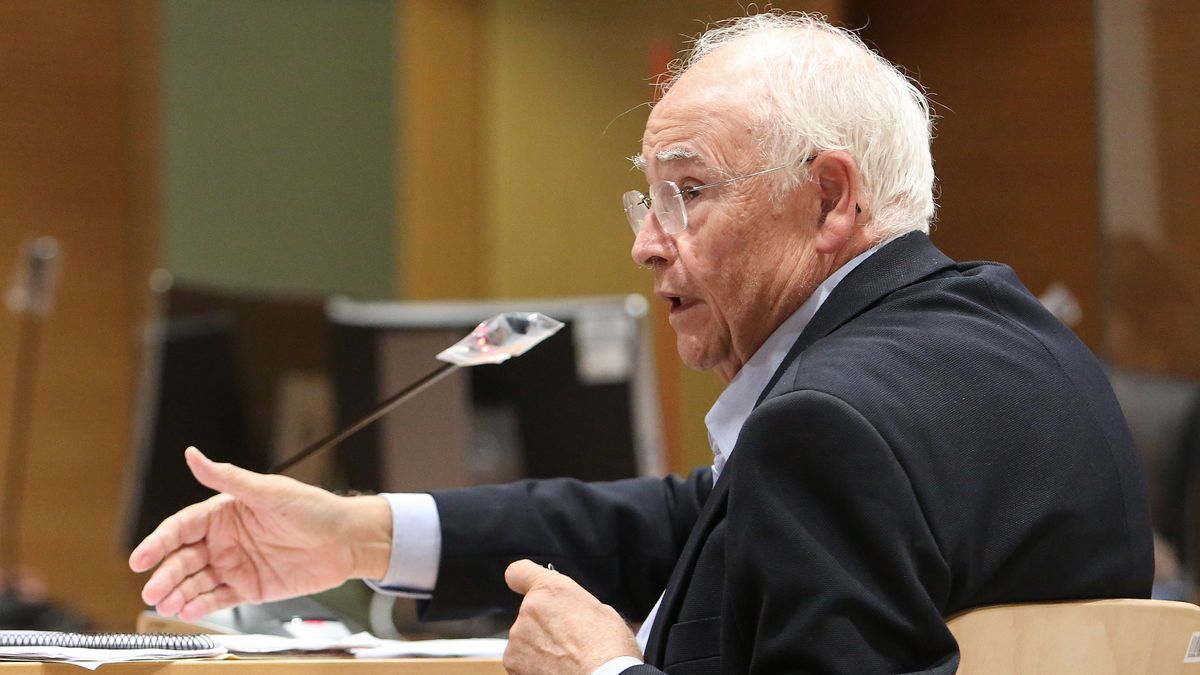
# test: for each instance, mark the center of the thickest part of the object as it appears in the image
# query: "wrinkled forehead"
(704, 141)
(702, 122)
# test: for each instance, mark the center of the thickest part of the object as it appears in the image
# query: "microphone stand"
(19, 606)
(378, 411)
(16, 609)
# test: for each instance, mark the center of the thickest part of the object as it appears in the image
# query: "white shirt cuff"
(617, 665)
(416, 546)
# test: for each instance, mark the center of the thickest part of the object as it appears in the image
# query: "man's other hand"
(263, 538)
(561, 628)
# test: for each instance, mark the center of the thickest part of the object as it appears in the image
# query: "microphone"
(493, 341)
(32, 290)
(32, 296)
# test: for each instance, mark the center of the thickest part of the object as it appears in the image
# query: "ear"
(836, 174)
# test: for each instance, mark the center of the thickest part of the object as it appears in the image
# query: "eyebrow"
(674, 154)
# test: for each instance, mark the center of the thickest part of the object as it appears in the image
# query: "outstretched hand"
(561, 628)
(263, 538)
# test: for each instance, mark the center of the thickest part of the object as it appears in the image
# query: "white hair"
(815, 87)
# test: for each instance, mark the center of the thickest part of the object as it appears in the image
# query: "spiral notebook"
(93, 650)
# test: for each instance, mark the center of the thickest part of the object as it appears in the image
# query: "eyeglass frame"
(647, 202)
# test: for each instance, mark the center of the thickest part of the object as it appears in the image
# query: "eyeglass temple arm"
(697, 188)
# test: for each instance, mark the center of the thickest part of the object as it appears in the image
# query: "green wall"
(277, 141)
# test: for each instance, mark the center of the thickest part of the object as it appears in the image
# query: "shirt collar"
(734, 405)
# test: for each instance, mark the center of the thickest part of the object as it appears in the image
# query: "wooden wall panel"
(1015, 151)
(1177, 54)
(1153, 322)
(66, 171)
(438, 149)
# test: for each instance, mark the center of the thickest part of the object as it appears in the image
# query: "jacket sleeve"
(619, 539)
(830, 563)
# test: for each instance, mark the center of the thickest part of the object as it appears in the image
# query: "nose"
(651, 246)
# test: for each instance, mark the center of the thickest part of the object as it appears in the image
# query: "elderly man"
(902, 437)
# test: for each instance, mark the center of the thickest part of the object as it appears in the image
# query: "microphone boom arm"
(380, 410)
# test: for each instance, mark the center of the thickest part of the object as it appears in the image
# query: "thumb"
(226, 478)
(523, 575)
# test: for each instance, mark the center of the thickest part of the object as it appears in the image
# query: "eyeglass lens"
(635, 209)
(668, 206)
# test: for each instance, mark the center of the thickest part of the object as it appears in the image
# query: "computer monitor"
(581, 404)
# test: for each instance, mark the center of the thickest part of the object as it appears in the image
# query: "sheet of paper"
(477, 647)
(250, 643)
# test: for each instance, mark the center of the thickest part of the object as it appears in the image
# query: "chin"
(695, 354)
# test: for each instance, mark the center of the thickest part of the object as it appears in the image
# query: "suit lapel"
(710, 515)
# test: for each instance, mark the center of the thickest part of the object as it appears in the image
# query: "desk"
(262, 666)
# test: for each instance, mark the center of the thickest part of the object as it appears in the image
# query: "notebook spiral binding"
(174, 642)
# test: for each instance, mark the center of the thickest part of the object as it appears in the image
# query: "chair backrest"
(1096, 637)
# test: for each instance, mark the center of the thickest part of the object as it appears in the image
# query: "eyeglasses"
(669, 202)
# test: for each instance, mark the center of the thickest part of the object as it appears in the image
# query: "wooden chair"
(1093, 637)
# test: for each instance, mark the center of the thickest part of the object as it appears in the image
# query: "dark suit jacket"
(934, 441)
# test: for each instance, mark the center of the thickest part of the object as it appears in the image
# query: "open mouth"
(681, 304)
(677, 303)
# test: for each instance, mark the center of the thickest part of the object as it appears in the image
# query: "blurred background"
(420, 150)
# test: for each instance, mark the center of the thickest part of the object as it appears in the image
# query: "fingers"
(176, 568)
(188, 585)
(221, 597)
(226, 478)
(191, 523)
(146, 555)
(186, 527)
(523, 575)
(185, 581)
(194, 586)
(561, 628)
